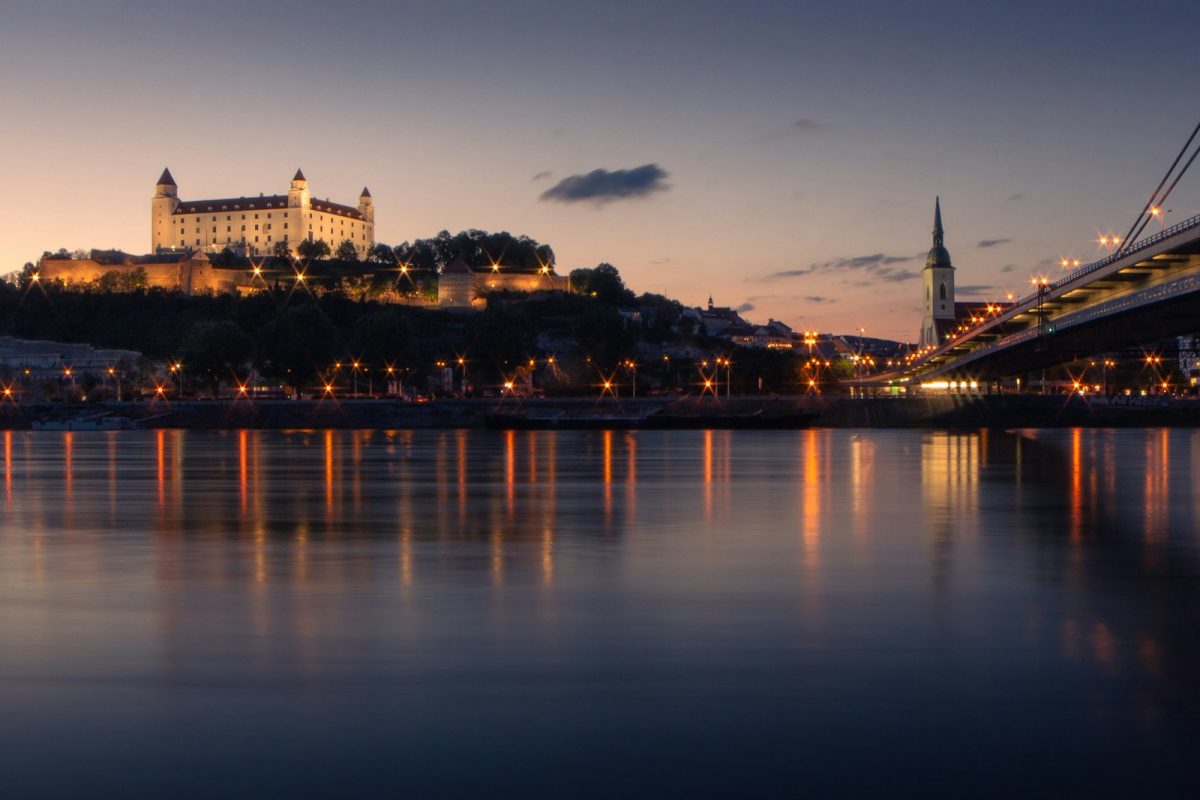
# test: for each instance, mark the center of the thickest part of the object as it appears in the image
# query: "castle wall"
(73, 272)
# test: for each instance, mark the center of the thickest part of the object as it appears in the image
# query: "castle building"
(255, 225)
(938, 277)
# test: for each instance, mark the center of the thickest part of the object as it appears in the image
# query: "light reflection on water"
(540, 613)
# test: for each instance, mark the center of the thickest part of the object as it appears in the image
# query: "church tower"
(938, 277)
(162, 206)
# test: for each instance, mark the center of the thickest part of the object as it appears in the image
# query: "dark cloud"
(603, 186)
(993, 242)
(975, 289)
(879, 266)
(899, 276)
(816, 298)
(1013, 198)
(806, 124)
(744, 307)
(1008, 267)
(543, 175)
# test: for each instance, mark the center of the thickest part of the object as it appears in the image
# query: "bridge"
(1143, 293)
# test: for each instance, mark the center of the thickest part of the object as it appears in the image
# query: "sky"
(781, 156)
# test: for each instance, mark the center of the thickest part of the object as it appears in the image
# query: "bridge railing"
(1141, 244)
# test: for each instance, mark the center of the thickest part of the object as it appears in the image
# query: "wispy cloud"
(975, 289)
(602, 186)
(806, 124)
(541, 176)
(1008, 267)
(993, 242)
(1015, 198)
(816, 298)
(878, 266)
(744, 307)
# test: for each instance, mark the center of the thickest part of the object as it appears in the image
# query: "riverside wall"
(988, 411)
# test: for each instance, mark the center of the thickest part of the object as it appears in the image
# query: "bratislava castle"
(254, 225)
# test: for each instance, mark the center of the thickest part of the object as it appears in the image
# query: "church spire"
(938, 257)
(938, 233)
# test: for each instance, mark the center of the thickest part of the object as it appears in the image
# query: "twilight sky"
(783, 156)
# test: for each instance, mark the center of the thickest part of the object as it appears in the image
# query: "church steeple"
(938, 233)
(938, 279)
(938, 257)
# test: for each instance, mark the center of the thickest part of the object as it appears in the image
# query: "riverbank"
(989, 411)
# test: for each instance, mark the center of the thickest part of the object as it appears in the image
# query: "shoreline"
(943, 411)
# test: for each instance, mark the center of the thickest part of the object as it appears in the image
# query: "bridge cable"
(1170, 189)
(1150, 203)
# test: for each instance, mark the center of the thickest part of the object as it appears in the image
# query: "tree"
(603, 334)
(604, 283)
(380, 253)
(382, 339)
(216, 351)
(310, 250)
(346, 251)
(297, 345)
(282, 250)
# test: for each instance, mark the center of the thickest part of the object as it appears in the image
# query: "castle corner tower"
(162, 206)
(938, 278)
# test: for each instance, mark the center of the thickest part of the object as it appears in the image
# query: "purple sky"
(796, 147)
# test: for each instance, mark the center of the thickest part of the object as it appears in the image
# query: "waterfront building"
(253, 226)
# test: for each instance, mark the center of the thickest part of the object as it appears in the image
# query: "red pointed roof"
(165, 179)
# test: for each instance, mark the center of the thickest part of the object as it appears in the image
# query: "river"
(594, 614)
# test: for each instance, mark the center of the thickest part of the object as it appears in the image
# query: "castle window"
(256, 226)
(943, 292)
(228, 228)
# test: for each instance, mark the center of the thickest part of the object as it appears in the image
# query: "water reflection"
(773, 581)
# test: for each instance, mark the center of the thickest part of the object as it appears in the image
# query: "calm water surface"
(811, 613)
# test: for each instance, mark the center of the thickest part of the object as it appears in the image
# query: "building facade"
(255, 225)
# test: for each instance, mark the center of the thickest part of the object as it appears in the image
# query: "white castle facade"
(255, 225)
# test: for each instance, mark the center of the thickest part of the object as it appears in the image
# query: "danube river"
(577, 614)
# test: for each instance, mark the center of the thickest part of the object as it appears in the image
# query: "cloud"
(603, 186)
(660, 261)
(744, 307)
(543, 175)
(1008, 267)
(879, 266)
(805, 125)
(993, 242)
(816, 298)
(974, 289)
(1014, 198)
